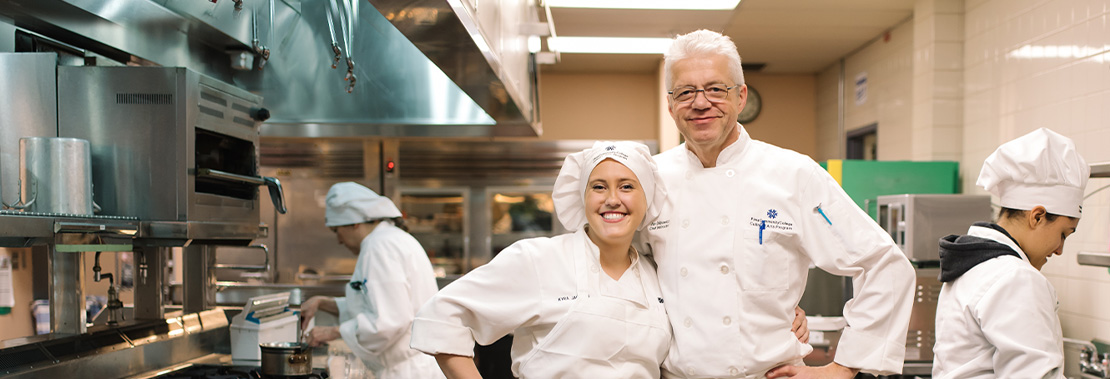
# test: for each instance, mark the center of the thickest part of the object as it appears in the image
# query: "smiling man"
(749, 218)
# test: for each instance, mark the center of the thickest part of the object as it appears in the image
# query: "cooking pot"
(55, 176)
(286, 359)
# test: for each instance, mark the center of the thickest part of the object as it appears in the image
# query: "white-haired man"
(749, 218)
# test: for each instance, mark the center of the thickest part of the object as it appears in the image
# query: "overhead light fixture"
(710, 5)
(609, 45)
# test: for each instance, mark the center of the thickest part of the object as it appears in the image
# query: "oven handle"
(273, 184)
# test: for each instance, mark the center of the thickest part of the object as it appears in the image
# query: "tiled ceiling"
(789, 36)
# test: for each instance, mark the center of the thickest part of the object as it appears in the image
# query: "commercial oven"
(167, 143)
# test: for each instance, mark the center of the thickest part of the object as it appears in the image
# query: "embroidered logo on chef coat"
(772, 213)
(771, 223)
(661, 224)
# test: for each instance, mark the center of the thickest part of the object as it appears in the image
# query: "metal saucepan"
(286, 359)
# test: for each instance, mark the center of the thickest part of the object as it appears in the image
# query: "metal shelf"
(22, 229)
(1100, 170)
(1091, 258)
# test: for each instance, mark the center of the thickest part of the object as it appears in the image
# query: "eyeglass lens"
(686, 94)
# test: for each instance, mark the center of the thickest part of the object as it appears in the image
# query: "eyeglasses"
(715, 93)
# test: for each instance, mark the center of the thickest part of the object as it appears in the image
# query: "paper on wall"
(7, 297)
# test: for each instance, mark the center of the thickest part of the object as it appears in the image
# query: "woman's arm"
(457, 366)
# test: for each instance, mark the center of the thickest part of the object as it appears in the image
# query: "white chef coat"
(393, 278)
(532, 289)
(998, 320)
(734, 254)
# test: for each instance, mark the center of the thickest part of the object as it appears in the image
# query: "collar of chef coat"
(994, 235)
(594, 254)
(730, 152)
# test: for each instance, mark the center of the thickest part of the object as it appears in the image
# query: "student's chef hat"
(1039, 168)
(351, 203)
(570, 186)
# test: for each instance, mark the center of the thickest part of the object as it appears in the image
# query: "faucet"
(115, 306)
(1091, 362)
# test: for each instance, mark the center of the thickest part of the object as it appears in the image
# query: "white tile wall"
(1007, 92)
(889, 66)
(1068, 90)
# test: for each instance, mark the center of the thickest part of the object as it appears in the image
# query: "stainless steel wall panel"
(28, 108)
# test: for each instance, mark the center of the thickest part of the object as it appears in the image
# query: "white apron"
(602, 336)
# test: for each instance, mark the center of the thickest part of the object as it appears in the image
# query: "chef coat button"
(688, 322)
(728, 321)
(724, 220)
(689, 175)
(733, 371)
(690, 371)
(724, 269)
(685, 223)
(682, 272)
(593, 268)
(730, 173)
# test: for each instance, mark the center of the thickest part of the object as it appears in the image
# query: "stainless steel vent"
(144, 98)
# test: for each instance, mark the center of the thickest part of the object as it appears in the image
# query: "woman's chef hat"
(351, 203)
(570, 186)
(1039, 168)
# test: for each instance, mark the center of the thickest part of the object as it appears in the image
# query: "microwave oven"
(916, 222)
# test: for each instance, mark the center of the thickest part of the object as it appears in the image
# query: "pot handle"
(19, 204)
(297, 359)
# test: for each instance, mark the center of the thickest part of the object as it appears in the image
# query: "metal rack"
(1094, 258)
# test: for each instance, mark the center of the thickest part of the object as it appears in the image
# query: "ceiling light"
(646, 4)
(609, 45)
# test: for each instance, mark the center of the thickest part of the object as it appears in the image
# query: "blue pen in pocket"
(762, 225)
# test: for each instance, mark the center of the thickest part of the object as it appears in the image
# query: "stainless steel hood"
(478, 82)
(400, 92)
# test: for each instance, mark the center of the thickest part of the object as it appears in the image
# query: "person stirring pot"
(996, 315)
(392, 278)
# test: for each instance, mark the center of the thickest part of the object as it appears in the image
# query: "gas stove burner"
(234, 372)
(316, 374)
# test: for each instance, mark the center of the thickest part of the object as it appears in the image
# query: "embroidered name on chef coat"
(771, 219)
(661, 224)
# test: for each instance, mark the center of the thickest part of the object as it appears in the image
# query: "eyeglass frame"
(703, 93)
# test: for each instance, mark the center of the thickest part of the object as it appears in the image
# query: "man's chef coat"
(735, 252)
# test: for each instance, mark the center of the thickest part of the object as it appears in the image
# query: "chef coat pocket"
(762, 260)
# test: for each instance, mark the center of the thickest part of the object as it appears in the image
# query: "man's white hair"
(701, 43)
